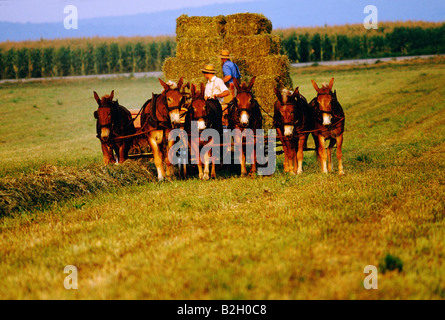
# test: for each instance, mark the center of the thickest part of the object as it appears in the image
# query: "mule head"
(198, 107)
(285, 109)
(324, 99)
(174, 100)
(104, 114)
(186, 94)
(244, 99)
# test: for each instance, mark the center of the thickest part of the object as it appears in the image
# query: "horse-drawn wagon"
(294, 120)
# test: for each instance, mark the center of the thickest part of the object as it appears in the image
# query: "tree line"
(400, 41)
(67, 60)
(100, 56)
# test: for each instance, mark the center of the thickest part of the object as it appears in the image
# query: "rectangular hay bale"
(175, 68)
(199, 27)
(250, 46)
(199, 48)
(247, 24)
(266, 66)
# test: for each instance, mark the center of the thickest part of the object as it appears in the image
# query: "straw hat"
(225, 54)
(209, 68)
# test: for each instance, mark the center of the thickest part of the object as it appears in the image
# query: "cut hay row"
(50, 184)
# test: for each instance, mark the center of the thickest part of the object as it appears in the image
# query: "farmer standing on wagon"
(215, 87)
(230, 71)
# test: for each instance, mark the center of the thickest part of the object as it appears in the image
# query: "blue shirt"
(231, 69)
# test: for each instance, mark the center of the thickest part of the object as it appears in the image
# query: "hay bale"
(264, 89)
(199, 48)
(175, 68)
(247, 24)
(266, 66)
(199, 27)
(276, 43)
(251, 46)
(248, 38)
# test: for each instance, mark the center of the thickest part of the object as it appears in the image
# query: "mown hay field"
(278, 237)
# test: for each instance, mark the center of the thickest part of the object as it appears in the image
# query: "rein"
(328, 128)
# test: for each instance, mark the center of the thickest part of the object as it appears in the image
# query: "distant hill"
(282, 13)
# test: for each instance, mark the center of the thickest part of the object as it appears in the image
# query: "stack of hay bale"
(248, 38)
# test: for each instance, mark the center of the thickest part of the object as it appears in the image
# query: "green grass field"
(278, 237)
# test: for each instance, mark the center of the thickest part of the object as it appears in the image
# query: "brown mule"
(329, 125)
(206, 114)
(293, 121)
(245, 113)
(113, 121)
(160, 115)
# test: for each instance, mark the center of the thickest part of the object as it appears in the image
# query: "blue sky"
(52, 10)
(158, 17)
(39, 11)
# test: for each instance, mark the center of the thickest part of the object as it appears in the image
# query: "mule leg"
(157, 157)
(285, 149)
(170, 168)
(288, 154)
(107, 152)
(206, 175)
(301, 144)
(317, 155)
(213, 160)
(322, 154)
(339, 154)
(291, 156)
(184, 171)
(252, 172)
(195, 149)
(184, 161)
(286, 158)
(243, 164)
(329, 154)
(241, 156)
(213, 174)
(122, 157)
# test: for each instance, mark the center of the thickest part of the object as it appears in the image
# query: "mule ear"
(193, 90)
(203, 90)
(96, 96)
(236, 83)
(111, 95)
(252, 82)
(331, 84)
(180, 82)
(96, 115)
(314, 84)
(164, 85)
(278, 94)
(296, 93)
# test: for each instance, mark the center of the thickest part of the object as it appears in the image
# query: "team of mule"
(294, 119)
